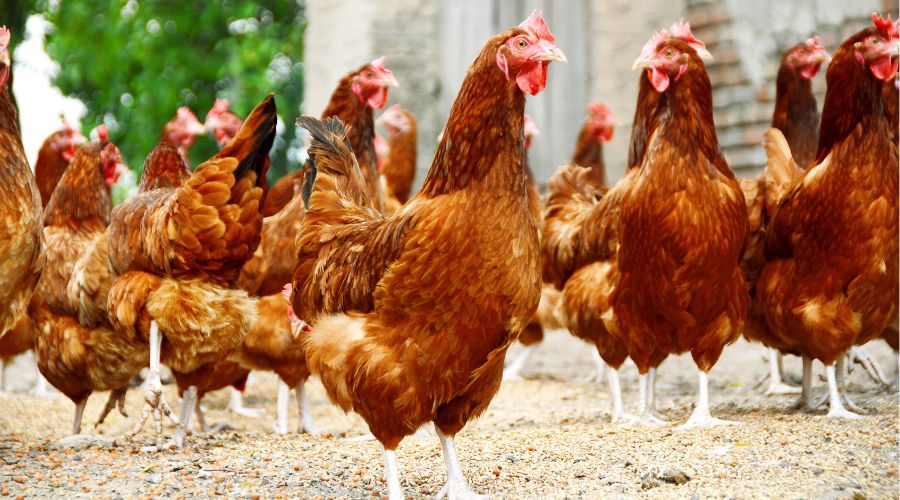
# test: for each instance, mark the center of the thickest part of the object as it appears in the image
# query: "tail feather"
(781, 170)
(331, 153)
(253, 141)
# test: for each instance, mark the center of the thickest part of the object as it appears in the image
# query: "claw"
(116, 400)
(862, 357)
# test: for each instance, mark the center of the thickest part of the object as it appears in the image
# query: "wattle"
(532, 78)
(659, 79)
(378, 99)
(883, 68)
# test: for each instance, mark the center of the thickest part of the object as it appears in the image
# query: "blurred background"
(131, 63)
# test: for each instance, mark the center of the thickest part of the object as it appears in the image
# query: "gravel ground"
(545, 436)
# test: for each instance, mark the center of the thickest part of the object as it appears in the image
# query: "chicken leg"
(648, 416)
(615, 391)
(701, 417)
(599, 371)
(154, 401)
(79, 412)
(281, 407)
(236, 405)
(392, 475)
(862, 357)
(306, 421)
(514, 370)
(776, 380)
(456, 487)
(835, 406)
(188, 403)
(805, 401)
(116, 400)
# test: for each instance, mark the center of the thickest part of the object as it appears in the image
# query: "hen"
(182, 131)
(54, 156)
(77, 350)
(412, 314)
(21, 239)
(797, 116)
(223, 123)
(545, 316)
(597, 130)
(399, 167)
(580, 247)
(177, 249)
(830, 279)
(681, 229)
(354, 98)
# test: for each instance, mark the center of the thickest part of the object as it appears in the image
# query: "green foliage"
(134, 62)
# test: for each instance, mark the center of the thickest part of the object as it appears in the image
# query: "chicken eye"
(669, 53)
(369, 74)
(875, 40)
(521, 43)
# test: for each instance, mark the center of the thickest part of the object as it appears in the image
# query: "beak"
(642, 62)
(197, 129)
(553, 54)
(822, 57)
(79, 139)
(704, 54)
(389, 81)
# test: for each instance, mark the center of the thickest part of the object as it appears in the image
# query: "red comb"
(378, 63)
(4, 38)
(888, 26)
(221, 105)
(653, 42)
(536, 24)
(682, 30)
(103, 132)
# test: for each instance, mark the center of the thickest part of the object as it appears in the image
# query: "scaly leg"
(514, 370)
(281, 407)
(862, 357)
(701, 417)
(236, 405)
(776, 382)
(648, 416)
(835, 407)
(201, 418)
(79, 412)
(805, 401)
(392, 475)
(841, 375)
(116, 400)
(154, 401)
(456, 487)
(615, 391)
(2, 372)
(188, 402)
(306, 421)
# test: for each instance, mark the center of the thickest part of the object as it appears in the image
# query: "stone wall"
(430, 44)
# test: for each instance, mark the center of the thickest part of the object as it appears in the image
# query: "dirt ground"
(547, 436)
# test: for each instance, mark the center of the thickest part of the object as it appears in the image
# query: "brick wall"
(747, 40)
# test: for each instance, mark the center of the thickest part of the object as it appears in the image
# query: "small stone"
(512, 458)
(155, 478)
(496, 472)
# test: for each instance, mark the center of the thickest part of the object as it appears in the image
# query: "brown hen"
(412, 314)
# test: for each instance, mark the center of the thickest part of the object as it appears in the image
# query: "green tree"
(134, 62)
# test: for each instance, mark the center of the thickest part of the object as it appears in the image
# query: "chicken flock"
(404, 304)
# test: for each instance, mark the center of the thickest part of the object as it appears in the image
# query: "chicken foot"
(154, 401)
(116, 400)
(777, 385)
(236, 405)
(840, 369)
(860, 356)
(647, 416)
(189, 403)
(805, 401)
(615, 391)
(701, 417)
(514, 370)
(456, 487)
(835, 405)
